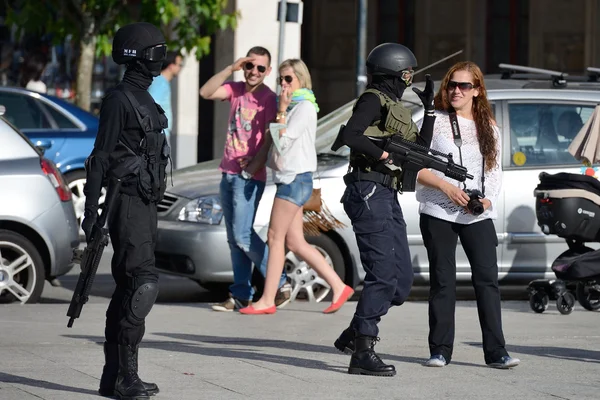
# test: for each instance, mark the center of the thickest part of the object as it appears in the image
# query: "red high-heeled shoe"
(250, 310)
(346, 294)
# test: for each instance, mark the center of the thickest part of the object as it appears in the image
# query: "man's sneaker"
(283, 296)
(231, 304)
(505, 362)
(436, 360)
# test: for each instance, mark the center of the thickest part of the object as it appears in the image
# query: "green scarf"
(300, 95)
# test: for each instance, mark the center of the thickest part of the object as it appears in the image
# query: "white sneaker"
(437, 360)
(505, 362)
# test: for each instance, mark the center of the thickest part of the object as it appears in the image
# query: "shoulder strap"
(135, 104)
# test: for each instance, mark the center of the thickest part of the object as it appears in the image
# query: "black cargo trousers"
(380, 230)
(133, 230)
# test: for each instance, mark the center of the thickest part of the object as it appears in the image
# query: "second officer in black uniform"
(371, 202)
(130, 145)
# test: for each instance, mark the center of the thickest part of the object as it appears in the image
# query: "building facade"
(560, 35)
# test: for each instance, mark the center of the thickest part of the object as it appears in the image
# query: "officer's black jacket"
(368, 109)
(117, 123)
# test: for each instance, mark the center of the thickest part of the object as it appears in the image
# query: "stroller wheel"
(539, 302)
(565, 303)
(588, 295)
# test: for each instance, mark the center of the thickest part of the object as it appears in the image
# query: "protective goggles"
(407, 76)
(250, 66)
(463, 86)
(155, 53)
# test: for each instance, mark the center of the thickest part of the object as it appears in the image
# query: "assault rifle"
(90, 257)
(414, 157)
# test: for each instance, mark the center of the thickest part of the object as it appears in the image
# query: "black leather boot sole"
(152, 390)
(361, 371)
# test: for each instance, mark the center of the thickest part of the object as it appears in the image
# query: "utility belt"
(357, 175)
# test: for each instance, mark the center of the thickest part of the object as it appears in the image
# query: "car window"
(61, 120)
(23, 112)
(540, 133)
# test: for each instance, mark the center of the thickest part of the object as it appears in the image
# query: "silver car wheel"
(78, 197)
(305, 281)
(17, 274)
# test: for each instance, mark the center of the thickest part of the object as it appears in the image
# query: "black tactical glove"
(89, 220)
(393, 162)
(426, 95)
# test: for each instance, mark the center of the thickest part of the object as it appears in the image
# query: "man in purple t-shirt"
(253, 106)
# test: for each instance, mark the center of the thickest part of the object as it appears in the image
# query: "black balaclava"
(391, 85)
(140, 74)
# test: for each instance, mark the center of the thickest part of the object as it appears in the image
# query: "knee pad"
(141, 302)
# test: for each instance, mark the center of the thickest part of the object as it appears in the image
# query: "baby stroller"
(568, 205)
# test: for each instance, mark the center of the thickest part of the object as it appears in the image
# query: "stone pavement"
(195, 353)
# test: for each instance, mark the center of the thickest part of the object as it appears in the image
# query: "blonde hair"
(301, 71)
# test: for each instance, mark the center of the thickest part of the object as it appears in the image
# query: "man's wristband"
(281, 115)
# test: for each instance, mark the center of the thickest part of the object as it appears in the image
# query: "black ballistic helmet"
(141, 41)
(390, 59)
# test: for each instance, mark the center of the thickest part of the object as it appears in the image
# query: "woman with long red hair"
(449, 210)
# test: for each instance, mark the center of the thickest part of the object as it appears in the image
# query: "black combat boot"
(129, 385)
(365, 361)
(345, 343)
(111, 370)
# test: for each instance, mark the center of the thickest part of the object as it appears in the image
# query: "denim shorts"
(298, 191)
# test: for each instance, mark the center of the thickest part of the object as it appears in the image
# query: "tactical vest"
(395, 120)
(146, 170)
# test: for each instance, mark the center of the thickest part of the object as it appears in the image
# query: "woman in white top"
(293, 177)
(447, 213)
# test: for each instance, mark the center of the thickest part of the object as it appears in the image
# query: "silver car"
(38, 227)
(537, 121)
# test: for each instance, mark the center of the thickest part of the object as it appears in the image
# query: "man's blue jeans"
(239, 199)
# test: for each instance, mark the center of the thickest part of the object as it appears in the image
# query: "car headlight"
(205, 210)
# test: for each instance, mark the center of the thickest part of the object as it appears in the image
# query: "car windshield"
(328, 126)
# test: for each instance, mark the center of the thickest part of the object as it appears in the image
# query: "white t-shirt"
(298, 143)
(434, 202)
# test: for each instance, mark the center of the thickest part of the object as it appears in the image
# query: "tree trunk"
(85, 68)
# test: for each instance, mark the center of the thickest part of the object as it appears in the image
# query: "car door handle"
(46, 144)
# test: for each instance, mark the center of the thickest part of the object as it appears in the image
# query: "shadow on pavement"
(9, 378)
(252, 351)
(561, 353)
(172, 290)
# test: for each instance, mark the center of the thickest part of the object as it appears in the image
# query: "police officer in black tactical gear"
(371, 201)
(131, 146)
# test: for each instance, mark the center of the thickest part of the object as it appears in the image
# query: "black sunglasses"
(463, 86)
(287, 78)
(261, 68)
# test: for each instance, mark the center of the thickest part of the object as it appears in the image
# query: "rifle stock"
(90, 259)
(415, 157)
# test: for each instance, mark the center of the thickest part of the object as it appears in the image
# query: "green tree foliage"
(187, 25)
